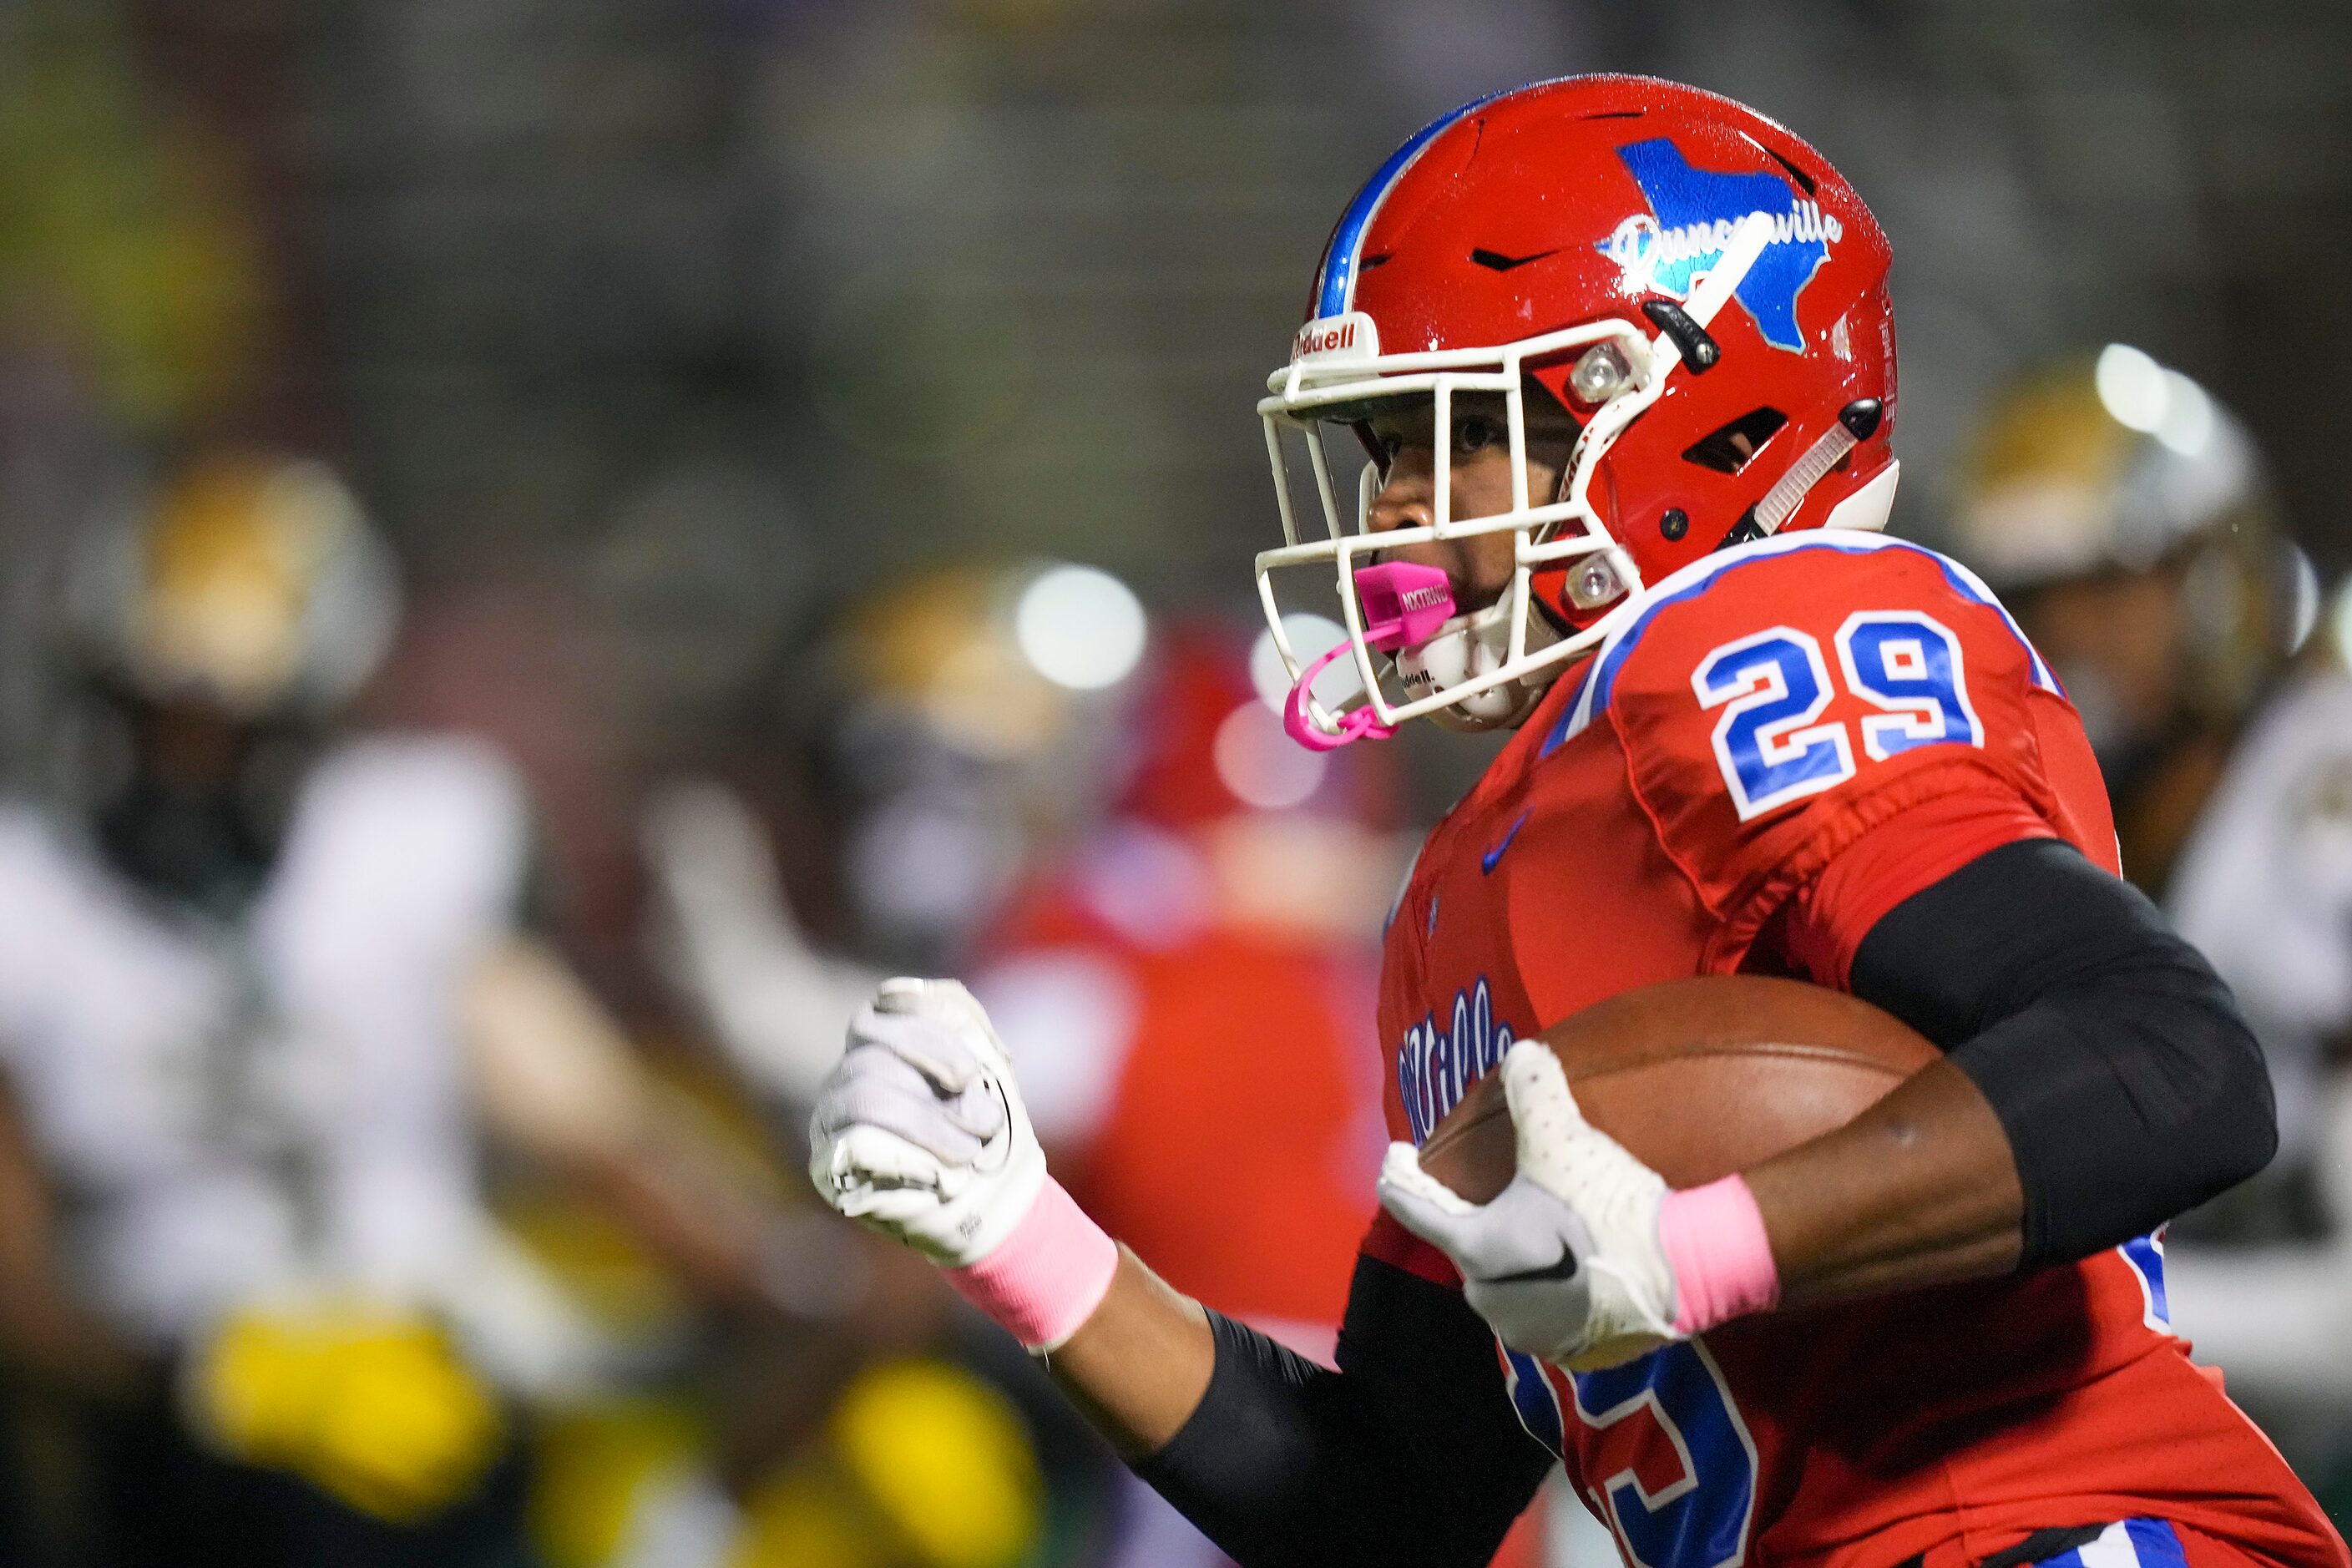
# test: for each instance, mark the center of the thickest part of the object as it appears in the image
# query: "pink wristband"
(1047, 1277)
(1714, 1240)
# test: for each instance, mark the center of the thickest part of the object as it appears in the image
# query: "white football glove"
(920, 1130)
(1565, 1264)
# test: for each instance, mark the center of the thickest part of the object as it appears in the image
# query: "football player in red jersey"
(1621, 357)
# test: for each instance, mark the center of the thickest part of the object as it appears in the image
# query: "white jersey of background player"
(2264, 883)
(2124, 516)
(269, 1103)
(2264, 887)
(233, 955)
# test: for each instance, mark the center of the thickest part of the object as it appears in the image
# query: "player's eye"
(1477, 432)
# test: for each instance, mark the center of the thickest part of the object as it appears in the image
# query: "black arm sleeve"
(1410, 1454)
(2128, 1084)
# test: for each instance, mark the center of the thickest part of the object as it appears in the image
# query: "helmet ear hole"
(1730, 447)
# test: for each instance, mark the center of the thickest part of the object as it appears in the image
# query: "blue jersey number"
(1772, 752)
(1699, 1518)
(1774, 686)
(1908, 664)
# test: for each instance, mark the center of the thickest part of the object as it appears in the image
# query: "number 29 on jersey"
(1772, 741)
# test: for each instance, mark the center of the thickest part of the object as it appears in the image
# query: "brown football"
(1698, 1078)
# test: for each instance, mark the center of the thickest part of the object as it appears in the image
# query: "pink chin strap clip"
(1402, 605)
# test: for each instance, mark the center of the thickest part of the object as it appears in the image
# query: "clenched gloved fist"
(919, 1131)
(1566, 1263)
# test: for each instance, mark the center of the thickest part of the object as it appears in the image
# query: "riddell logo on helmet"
(1317, 339)
(1352, 336)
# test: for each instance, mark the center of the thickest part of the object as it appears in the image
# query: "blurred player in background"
(228, 983)
(970, 734)
(979, 735)
(265, 982)
(2125, 518)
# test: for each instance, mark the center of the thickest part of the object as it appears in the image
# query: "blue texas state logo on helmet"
(1691, 216)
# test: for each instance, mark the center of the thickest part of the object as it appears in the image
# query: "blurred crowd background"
(543, 546)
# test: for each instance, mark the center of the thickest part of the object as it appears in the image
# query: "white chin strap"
(1463, 649)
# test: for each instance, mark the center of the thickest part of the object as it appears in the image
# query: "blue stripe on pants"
(2156, 1544)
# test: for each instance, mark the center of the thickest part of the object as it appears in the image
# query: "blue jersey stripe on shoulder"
(1335, 290)
(1560, 732)
(1702, 574)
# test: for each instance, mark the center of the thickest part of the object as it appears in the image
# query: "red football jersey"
(1787, 740)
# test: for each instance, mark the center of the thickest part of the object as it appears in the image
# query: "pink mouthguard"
(1402, 605)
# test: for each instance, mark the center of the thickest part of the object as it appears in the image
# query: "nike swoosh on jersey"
(1487, 861)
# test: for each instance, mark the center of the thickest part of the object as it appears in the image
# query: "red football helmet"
(1588, 234)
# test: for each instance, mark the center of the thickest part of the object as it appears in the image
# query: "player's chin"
(1475, 598)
